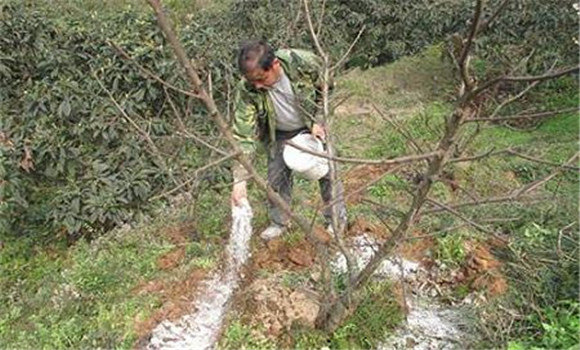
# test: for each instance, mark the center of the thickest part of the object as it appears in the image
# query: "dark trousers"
(280, 178)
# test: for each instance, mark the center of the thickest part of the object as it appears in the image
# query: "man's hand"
(239, 193)
(318, 131)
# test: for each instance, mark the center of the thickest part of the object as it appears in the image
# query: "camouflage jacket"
(254, 115)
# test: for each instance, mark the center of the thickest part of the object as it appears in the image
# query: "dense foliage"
(71, 161)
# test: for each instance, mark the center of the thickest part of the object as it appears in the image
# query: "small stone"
(300, 257)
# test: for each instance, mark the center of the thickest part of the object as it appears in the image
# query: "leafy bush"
(71, 161)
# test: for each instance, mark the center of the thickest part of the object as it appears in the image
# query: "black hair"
(255, 54)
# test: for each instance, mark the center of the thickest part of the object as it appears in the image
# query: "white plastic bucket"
(308, 165)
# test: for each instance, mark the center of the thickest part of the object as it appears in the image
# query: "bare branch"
(385, 207)
(476, 157)
(140, 130)
(536, 184)
(525, 116)
(489, 200)
(150, 74)
(485, 24)
(320, 18)
(542, 161)
(462, 62)
(461, 216)
(363, 187)
(511, 152)
(343, 58)
(195, 175)
(214, 113)
(399, 128)
(311, 28)
(543, 77)
(530, 78)
(512, 99)
(399, 160)
(176, 113)
(292, 25)
(185, 133)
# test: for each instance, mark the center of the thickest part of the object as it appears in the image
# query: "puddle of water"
(199, 330)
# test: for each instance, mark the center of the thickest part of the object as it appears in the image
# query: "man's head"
(258, 63)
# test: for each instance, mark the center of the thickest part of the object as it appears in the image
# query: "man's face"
(263, 79)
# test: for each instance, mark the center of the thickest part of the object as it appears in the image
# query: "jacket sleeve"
(244, 128)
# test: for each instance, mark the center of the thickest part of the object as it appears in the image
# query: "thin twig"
(320, 18)
(188, 134)
(511, 152)
(512, 99)
(343, 58)
(489, 200)
(542, 161)
(525, 116)
(150, 74)
(398, 160)
(485, 24)
(530, 78)
(363, 187)
(534, 185)
(398, 128)
(311, 28)
(462, 217)
(140, 130)
(463, 61)
(195, 175)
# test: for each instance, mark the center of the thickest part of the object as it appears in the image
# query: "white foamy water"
(363, 247)
(430, 325)
(199, 330)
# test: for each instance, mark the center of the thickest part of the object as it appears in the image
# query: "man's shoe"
(330, 229)
(272, 232)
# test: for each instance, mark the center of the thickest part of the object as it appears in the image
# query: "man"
(278, 99)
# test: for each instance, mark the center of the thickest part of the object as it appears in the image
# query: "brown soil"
(358, 177)
(278, 254)
(179, 233)
(360, 226)
(171, 259)
(177, 294)
(276, 307)
(417, 248)
(483, 270)
(176, 298)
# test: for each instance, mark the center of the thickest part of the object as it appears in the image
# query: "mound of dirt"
(278, 255)
(277, 307)
(484, 271)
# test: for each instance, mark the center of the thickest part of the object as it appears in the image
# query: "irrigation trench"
(429, 324)
(200, 330)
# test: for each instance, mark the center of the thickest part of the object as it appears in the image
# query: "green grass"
(240, 336)
(77, 298)
(376, 316)
(83, 297)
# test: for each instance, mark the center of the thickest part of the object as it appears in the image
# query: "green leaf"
(64, 108)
